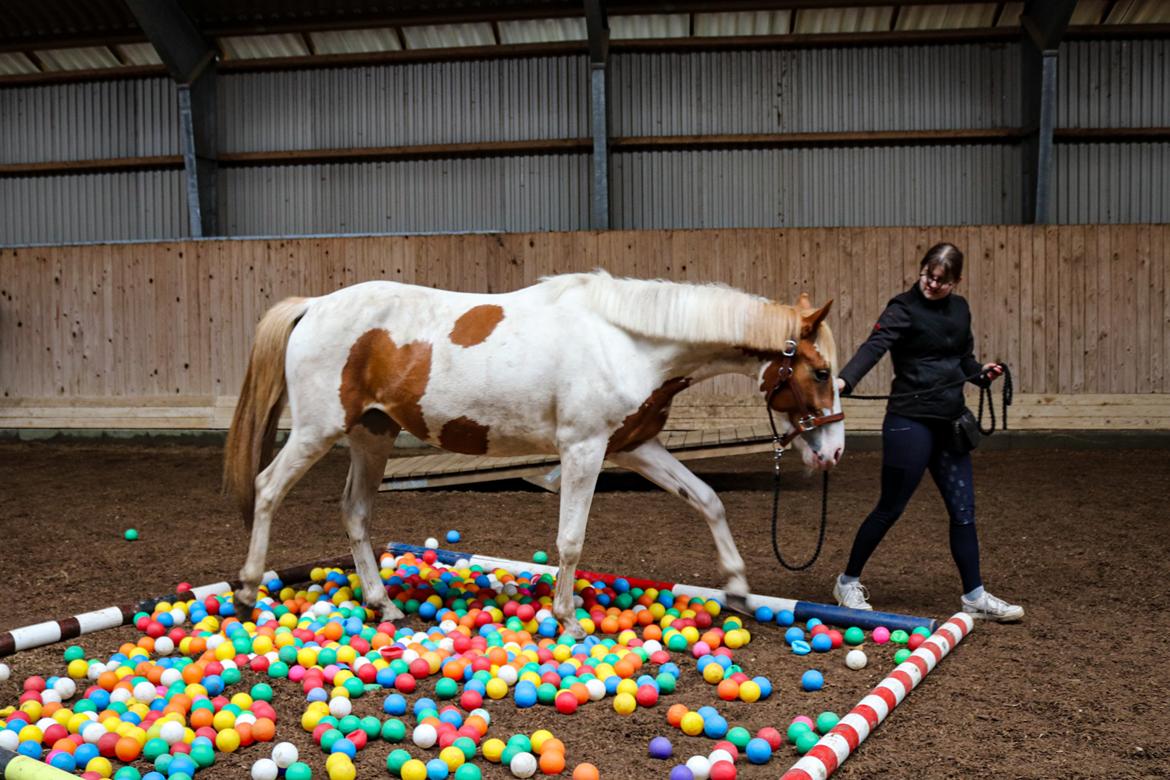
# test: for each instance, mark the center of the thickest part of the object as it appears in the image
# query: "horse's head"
(798, 383)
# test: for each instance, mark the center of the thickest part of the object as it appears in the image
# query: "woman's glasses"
(936, 282)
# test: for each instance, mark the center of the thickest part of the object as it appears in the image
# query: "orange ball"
(728, 690)
(674, 715)
(552, 762)
(127, 749)
(586, 771)
(552, 745)
(263, 730)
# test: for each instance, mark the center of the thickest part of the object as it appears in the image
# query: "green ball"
(261, 692)
(854, 636)
(131, 534)
(546, 693)
(128, 773)
(795, 730)
(467, 745)
(328, 738)
(355, 686)
(299, 770)
(326, 656)
(396, 759)
(509, 753)
(806, 740)
(901, 655)
(73, 652)
(666, 682)
(446, 688)
(899, 637)
(826, 721)
(287, 654)
(278, 670)
(394, 730)
(468, 772)
(521, 741)
(921, 631)
(349, 724)
(163, 763)
(676, 642)
(154, 748)
(371, 726)
(203, 755)
(739, 736)
(540, 556)
(230, 676)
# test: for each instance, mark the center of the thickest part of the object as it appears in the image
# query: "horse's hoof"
(244, 607)
(574, 629)
(737, 603)
(391, 613)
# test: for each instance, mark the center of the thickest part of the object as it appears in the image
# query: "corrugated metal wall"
(521, 193)
(816, 90)
(1115, 183)
(402, 105)
(930, 185)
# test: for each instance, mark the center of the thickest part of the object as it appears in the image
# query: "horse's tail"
(251, 438)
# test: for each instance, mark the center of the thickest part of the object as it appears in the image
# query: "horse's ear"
(811, 321)
(804, 302)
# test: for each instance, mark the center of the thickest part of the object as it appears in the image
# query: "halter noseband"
(803, 424)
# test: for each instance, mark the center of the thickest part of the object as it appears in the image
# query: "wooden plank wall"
(104, 335)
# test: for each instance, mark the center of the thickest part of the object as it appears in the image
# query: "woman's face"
(932, 284)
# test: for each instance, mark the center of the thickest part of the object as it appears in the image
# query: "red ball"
(107, 742)
(419, 668)
(566, 703)
(405, 683)
(646, 695)
(262, 709)
(723, 770)
(258, 664)
(915, 641)
(729, 747)
(702, 619)
(34, 683)
(772, 736)
(320, 730)
(430, 556)
(819, 628)
(470, 700)
(358, 738)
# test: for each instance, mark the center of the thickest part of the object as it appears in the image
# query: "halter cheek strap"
(803, 424)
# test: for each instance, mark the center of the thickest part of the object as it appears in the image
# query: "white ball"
(720, 755)
(45, 723)
(651, 646)
(265, 769)
(170, 677)
(214, 641)
(481, 712)
(339, 706)
(523, 765)
(431, 543)
(121, 695)
(66, 688)
(179, 615)
(91, 732)
(172, 732)
(50, 696)
(596, 689)
(95, 671)
(508, 674)
(9, 740)
(700, 767)
(856, 659)
(164, 645)
(424, 735)
(246, 717)
(5, 672)
(145, 692)
(285, 754)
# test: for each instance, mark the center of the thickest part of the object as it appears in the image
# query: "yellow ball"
(713, 673)
(492, 750)
(413, 770)
(692, 634)
(624, 703)
(496, 688)
(749, 691)
(712, 607)
(310, 719)
(242, 700)
(539, 737)
(100, 766)
(452, 756)
(77, 668)
(227, 740)
(562, 652)
(628, 685)
(340, 769)
(692, 724)
(30, 732)
(735, 638)
(224, 719)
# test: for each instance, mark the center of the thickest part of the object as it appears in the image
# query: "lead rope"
(777, 452)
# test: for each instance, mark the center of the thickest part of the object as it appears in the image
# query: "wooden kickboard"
(444, 469)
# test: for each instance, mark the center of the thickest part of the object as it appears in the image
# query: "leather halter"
(803, 424)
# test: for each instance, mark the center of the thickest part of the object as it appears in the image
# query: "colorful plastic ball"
(453, 536)
(826, 721)
(437, 769)
(801, 647)
(413, 770)
(915, 641)
(298, 770)
(795, 729)
(765, 614)
(723, 770)
(854, 636)
(131, 534)
(681, 772)
(660, 747)
(770, 735)
(285, 754)
(749, 691)
(646, 696)
(540, 556)
(566, 703)
(822, 643)
(265, 769)
(624, 703)
(586, 771)
(691, 724)
(424, 735)
(396, 760)
(493, 750)
(523, 765)
(901, 656)
(758, 751)
(784, 617)
(551, 762)
(812, 680)
(899, 637)
(856, 659)
(921, 631)
(881, 635)
(431, 543)
(806, 740)
(5, 672)
(468, 772)
(793, 634)
(700, 767)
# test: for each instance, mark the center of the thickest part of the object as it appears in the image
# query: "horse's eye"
(823, 374)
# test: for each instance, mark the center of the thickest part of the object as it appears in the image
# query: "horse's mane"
(700, 313)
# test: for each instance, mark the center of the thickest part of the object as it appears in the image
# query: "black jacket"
(930, 343)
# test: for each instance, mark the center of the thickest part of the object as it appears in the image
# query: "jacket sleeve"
(969, 364)
(890, 326)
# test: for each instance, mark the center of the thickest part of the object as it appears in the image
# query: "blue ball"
(707, 711)
(715, 727)
(765, 614)
(822, 643)
(86, 752)
(317, 694)
(765, 686)
(758, 751)
(621, 585)
(681, 772)
(343, 745)
(30, 748)
(395, 704)
(423, 704)
(794, 633)
(801, 647)
(660, 747)
(453, 536)
(437, 769)
(785, 617)
(812, 623)
(812, 680)
(64, 761)
(525, 696)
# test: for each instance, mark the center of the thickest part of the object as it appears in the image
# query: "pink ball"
(700, 649)
(806, 720)
(881, 635)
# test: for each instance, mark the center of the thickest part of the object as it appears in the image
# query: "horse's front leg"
(580, 465)
(655, 463)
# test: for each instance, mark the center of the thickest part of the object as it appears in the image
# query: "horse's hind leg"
(655, 463)
(368, 454)
(299, 453)
(580, 465)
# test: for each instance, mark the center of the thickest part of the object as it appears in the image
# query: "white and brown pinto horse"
(581, 365)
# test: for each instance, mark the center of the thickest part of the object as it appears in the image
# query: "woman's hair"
(943, 257)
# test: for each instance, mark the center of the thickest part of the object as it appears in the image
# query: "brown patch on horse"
(464, 435)
(645, 423)
(380, 373)
(476, 324)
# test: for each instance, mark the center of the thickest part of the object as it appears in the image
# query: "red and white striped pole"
(831, 751)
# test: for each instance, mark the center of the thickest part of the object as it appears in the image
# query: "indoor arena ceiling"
(40, 37)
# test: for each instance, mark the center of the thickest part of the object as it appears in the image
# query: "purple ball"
(660, 747)
(681, 772)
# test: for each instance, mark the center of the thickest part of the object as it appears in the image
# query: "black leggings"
(909, 447)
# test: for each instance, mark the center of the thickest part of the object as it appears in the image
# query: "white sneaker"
(992, 608)
(851, 594)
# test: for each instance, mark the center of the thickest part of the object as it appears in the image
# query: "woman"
(927, 330)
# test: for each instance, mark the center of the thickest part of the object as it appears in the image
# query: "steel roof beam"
(191, 62)
(597, 25)
(1043, 24)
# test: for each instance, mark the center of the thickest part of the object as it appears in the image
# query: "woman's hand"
(992, 371)
(840, 385)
